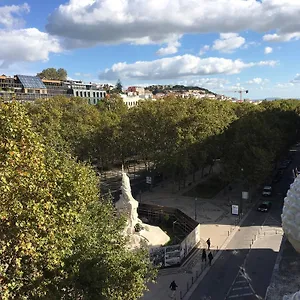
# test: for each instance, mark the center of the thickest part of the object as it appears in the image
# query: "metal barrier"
(196, 275)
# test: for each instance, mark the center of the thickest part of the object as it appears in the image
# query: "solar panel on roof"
(31, 82)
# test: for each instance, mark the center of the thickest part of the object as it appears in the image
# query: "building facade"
(30, 88)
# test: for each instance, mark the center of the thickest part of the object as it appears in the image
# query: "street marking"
(241, 288)
(241, 281)
(241, 295)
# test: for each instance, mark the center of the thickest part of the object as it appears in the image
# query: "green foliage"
(57, 240)
(119, 86)
(53, 74)
(66, 123)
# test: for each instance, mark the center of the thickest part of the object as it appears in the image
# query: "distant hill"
(275, 98)
(155, 89)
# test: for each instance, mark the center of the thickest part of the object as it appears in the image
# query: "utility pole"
(195, 209)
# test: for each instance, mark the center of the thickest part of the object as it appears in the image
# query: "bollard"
(264, 233)
(252, 242)
(276, 231)
(181, 295)
(217, 247)
(250, 246)
(228, 233)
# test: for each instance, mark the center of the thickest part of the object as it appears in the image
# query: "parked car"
(265, 206)
(267, 190)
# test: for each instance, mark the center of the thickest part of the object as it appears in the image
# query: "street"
(241, 272)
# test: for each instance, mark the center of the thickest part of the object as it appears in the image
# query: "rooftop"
(31, 82)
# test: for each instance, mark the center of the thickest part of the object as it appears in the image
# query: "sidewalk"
(217, 223)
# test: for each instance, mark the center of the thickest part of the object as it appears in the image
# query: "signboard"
(235, 209)
(245, 195)
(190, 242)
(148, 180)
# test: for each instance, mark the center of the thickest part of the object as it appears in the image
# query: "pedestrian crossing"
(241, 288)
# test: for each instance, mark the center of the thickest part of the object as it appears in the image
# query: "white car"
(267, 191)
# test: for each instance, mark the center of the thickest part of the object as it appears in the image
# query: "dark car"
(264, 206)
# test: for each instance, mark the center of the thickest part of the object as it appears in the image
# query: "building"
(92, 92)
(56, 88)
(132, 101)
(135, 91)
(30, 88)
(94, 96)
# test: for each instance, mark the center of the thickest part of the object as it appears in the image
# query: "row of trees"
(57, 239)
(178, 135)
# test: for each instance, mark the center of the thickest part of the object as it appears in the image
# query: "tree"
(119, 86)
(57, 240)
(53, 74)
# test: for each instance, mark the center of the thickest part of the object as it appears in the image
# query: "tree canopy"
(53, 74)
(57, 239)
(119, 86)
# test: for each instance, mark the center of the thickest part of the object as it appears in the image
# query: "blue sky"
(222, 45)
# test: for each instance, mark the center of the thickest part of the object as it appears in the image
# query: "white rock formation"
(153, 236)
(291, 214)
(291, 222)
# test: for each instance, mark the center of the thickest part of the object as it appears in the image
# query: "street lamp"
(195, 209)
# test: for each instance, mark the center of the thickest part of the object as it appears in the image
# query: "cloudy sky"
(222, 45)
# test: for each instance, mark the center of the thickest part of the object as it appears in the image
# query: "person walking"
(208, 243)
(173, 286)
(203, 255)
(210, 258)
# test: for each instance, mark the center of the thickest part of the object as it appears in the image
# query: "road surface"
(243, 273)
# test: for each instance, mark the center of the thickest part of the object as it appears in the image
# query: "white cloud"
(204, 49)
(26, 45)
(268, 50)
(171, 48)
(281, 37)
(258, 80)
(228, 42)
(82, 74)
(296, 79)
(89, 22)
(10, 15)
(178, 66)
(285, 85)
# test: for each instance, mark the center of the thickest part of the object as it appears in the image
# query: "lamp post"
(241, 202)
(195, 209)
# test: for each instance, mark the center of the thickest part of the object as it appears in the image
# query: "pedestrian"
(203, 255)
(173, 286)
(208, 243)
(210, 257)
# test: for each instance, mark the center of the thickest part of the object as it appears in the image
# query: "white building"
(132, 101)
(93, 96)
